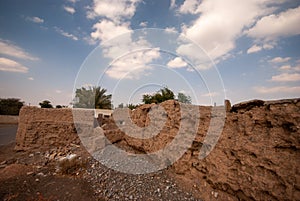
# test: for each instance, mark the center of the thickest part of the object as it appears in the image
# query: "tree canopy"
(46, 104)
(92, 97)
(10, 106)
(184, 98)
(160, 96)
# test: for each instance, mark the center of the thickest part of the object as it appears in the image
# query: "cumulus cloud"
(253, 49)
(170, 30)
(177, 63)
(65, 34)
(105, 30)
(286, 77)
(138, 63)
(9, 65)
(189, 6)
(69, 9)
(274, 26)
(10, 49)
(115, 10)
(285, 67)
(115, 16)
(35, 20)
(30, 78)
(279, 59)
(218, 26)
(277, 89)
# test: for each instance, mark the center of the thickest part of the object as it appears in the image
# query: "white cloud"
(211, 94)
(115, 10)
(285, 67)
(290, 68)
(114, 21)
(89, 40)
(274, 26)
(253, 49)
(138, 64)
(143, 24)
(200, 60)
(9, 49)
(58, 91)
(30, 78)
(279, 59)
(277, 90)
(176, 63)
(286, 77)
(170, 30)
(69, 9)
(9, 65)
(105, 30)
(172, 4)
(72, 1)
(218, 26)
(296, 68)
(35, 20)
(269, 45)
(66, 34)
(189, 6)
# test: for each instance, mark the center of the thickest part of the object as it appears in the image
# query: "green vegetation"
(46, 104)
(92, 97)
(132, 106)
(184, 98)
(10, 106)
(159, 97)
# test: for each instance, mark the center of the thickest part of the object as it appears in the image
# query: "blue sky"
(253, 46)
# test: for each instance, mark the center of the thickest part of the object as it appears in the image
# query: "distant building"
(104, 112)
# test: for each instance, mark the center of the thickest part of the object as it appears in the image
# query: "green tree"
(160, 96)
(10, 106)
(132, 106)
(92, 97)
(46, 104)
(147, 99)
(184, 98)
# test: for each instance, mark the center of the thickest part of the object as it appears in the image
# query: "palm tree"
(93, 97)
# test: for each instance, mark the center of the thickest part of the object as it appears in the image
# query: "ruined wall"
(42, 128)
(256, 158)
(258, 154)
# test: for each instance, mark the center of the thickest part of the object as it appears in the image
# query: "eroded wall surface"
(256, 158)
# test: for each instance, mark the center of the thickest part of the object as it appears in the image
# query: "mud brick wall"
(256, 158)
(41, 128)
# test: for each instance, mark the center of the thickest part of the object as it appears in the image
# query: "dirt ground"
(27, 177)
(39, 176)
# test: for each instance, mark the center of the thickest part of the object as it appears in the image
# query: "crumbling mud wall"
(256, 158)
(42, 128)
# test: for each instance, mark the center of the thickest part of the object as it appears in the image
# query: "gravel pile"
(112, 185)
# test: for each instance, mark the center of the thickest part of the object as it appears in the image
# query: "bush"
(10, 106)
